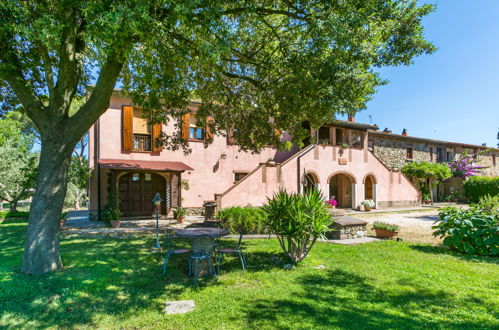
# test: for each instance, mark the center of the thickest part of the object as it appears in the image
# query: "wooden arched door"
(137, 191)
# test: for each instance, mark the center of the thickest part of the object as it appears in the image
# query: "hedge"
(479, 186)
(9, 214)
(248, 220)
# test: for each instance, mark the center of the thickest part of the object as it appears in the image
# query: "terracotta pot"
(367, 208)
(181, 219)
(115, 223)
(426, 201)
(381, 233)
(63, 222)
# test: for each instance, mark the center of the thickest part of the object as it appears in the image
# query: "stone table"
(345, 227)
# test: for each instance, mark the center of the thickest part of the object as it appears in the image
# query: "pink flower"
(332, 202)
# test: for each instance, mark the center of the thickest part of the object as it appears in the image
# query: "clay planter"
(367, 208)
(381, 233)
(426, 201)
(181, 219)
(115, 223)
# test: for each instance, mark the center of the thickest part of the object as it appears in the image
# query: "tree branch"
(98, 101)
(254, 82)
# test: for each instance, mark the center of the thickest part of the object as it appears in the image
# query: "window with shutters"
(356, 139)
(138, 133)
(196, 131)
(142, 131)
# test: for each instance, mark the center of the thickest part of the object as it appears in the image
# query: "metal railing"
(141, 142)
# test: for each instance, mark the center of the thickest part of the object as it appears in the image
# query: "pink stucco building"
(127, 165)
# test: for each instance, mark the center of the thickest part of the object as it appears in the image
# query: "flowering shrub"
(472, 231)
(332, 202)
(463, 166)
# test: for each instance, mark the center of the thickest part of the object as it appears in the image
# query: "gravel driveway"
(414, 225)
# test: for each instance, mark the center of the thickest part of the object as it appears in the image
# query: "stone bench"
(345, 227)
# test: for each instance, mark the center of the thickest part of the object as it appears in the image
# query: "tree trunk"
(41, 251)
(13, 205)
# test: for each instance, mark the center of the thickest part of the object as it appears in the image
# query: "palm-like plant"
(298, 221)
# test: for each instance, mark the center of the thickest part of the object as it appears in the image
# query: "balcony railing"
(141, 142)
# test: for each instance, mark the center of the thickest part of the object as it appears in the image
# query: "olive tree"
(248, 61)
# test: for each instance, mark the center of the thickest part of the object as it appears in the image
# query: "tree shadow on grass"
(446, 251)
(101, 276)
(337, 298)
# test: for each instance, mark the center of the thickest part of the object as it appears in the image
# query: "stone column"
(354, 196)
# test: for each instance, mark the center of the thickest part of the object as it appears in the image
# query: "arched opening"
(340, 188)
(310, 181)
(368, 187)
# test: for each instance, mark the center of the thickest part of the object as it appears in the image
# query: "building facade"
(349, 161)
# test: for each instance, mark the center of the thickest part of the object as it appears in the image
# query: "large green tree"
(17, 162)
(248, 60)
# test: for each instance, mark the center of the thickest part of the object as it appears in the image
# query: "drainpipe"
(97, 167)
(307, 150)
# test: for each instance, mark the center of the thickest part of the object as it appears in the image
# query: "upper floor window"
(409, 153)
(141, 131)
(356, 139)
(431, 154)
(137, 132)
(440, 155)
(494, 159)
(196, 131)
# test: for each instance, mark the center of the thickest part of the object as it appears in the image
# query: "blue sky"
(453, 94)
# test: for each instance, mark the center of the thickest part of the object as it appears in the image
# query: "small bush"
(9, 214)
(490, 204)
(472, 231)
(385, 226)
(248, 220)
(298, 221)
(479, 186)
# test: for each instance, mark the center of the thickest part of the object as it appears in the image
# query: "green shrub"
(385, 226)
(490, 204)
(472, 231)
(479, 186)
(298, 220)
(18, 214)
(248, 220)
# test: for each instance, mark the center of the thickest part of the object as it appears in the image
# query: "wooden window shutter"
(209, 133)
(156, 133)
(231, 140)
(127, 128)
(185, 126)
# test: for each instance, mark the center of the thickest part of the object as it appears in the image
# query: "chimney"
(351, 119)
(386, 130)
(404, 132)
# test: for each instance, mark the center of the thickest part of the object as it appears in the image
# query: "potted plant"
(64, 216)
(179, 214)
(113, 216)
(325, 142)
(385, 230)
(426, 198)
(368, 204)
(331, 202)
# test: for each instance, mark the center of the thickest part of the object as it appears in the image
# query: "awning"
(120, 164)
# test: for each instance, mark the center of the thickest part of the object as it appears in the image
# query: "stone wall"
(392, 151)
(486, 160)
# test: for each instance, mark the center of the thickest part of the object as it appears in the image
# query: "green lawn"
(116, 283)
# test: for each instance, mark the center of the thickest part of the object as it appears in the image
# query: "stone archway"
(342, 189)
(310, 181)
(370, 187)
